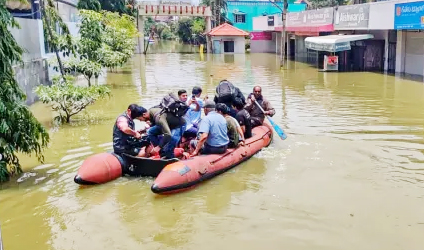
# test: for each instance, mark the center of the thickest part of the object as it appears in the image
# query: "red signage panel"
(261, 36)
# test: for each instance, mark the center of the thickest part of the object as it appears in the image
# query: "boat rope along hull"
(186, 174)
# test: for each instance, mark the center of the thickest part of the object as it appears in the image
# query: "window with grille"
(239, 18)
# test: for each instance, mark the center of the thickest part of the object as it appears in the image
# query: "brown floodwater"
(349, 176)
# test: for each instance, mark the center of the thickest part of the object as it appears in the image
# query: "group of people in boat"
(177, 122)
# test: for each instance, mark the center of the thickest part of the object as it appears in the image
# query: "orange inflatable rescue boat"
(182, 175)
(105, 167)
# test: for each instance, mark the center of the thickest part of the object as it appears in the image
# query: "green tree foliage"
(19, 129)
(164, 31)
(316, 4)
(89, 5)
(197, 30)
(52, 19)
(219, 10)
(84, 67)
(119, 6)
(106, 40)
(67, 99)
(191, 30)
(149, 26)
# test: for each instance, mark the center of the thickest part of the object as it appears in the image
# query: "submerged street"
(349, 176)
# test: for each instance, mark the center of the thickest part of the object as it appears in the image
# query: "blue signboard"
(409, 16)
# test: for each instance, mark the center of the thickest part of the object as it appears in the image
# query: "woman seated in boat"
(234, 132)
(124, 129)
(213, 132)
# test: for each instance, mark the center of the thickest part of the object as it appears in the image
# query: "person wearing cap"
(235, 134)
(124, 129)
(213, 132)
(193, 115)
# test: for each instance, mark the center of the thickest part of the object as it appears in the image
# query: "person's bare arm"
(200, 143)
(122, 125)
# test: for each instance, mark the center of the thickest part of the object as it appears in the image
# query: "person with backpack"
(228, 94)
(168, 125)
(182, 95)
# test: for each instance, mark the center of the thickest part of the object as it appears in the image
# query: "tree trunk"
(47, 21)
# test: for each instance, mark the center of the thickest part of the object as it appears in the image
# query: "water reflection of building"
(380, 36)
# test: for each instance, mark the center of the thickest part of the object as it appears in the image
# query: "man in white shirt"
(193, 115)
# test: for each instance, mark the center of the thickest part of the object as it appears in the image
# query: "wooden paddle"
(277, 128)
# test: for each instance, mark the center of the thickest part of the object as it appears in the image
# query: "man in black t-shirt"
(243, 118)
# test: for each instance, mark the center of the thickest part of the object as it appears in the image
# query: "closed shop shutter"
(414, 53)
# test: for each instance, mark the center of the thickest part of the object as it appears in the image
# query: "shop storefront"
(334, 50)
(408, 20)
(363, 54)
(308, 23)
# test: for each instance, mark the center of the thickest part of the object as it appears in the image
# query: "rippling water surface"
(350, 175)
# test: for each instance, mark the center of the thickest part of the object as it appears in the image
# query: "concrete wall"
(381, 16)
(30, 36)
(29, 75)
(73, 28)
(33, 71)
(260, 23)
(262, 46)
(400, 51)
(239, 43)
(414, 53)
(68, 12)
(301, 53)
(265, 46)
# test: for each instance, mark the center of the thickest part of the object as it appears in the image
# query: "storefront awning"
(334, 43)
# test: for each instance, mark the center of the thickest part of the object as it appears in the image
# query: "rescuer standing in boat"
(124, 128)
(256, 115)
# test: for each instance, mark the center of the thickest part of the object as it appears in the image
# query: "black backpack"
(225, 92)
(172, 104)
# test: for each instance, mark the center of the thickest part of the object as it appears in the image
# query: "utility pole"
(283, 32)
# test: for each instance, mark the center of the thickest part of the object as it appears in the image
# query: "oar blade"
(277, 129)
